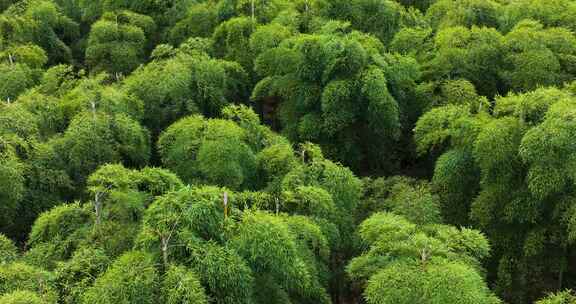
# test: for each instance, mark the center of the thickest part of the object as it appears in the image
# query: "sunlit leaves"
(267, 244)
(538, 56)
(193, 148)
(435, 127)
(397, 283)
(130, 279)
(63, 226)
(21, 297)
(182, 286)
(189, 83)
(8, 251)
(233, 284)
(93, 139)
(549, 13)
(562, 297)
(475, 54)
(545, 148)
(446, 13)
(18, 276)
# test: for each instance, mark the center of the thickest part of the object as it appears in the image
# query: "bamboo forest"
(287, 151)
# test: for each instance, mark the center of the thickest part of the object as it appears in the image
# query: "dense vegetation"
(287, 151)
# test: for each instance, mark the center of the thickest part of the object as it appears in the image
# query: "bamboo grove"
(287, 151)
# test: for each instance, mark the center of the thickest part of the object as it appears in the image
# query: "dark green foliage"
(117, 41)
(335, 89)
(12, 185)
(380, 18)
(200, 21)
(516, 175)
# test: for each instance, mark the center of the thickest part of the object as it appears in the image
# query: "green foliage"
(226, 285)
(232, 41)
(58, 80)
(93, 139)
(200, 21)
(435, 128)
(21, 277)
(456, 178)
(559, 298)
(262, 11)
(274, 162)
(189, 210)
(475, 54)
(449, 13)
(344, 188)
(21, 297)
(208, 150)
(182, 286)
(268, 246)
(8, 251)
(405, 264)
(117, 41)
(132, 278)
(538, 56)
(91, 95)
(30, 55)
(15, 79)
(63, 227)
(549, 13)
(42, 23)
(308, 200)
(331, 85)
(160, 120)
(416, 204)
(77, 274)
(188, 83)
(11, 185)
(398, 283)
(509, 171)
(380, 18)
